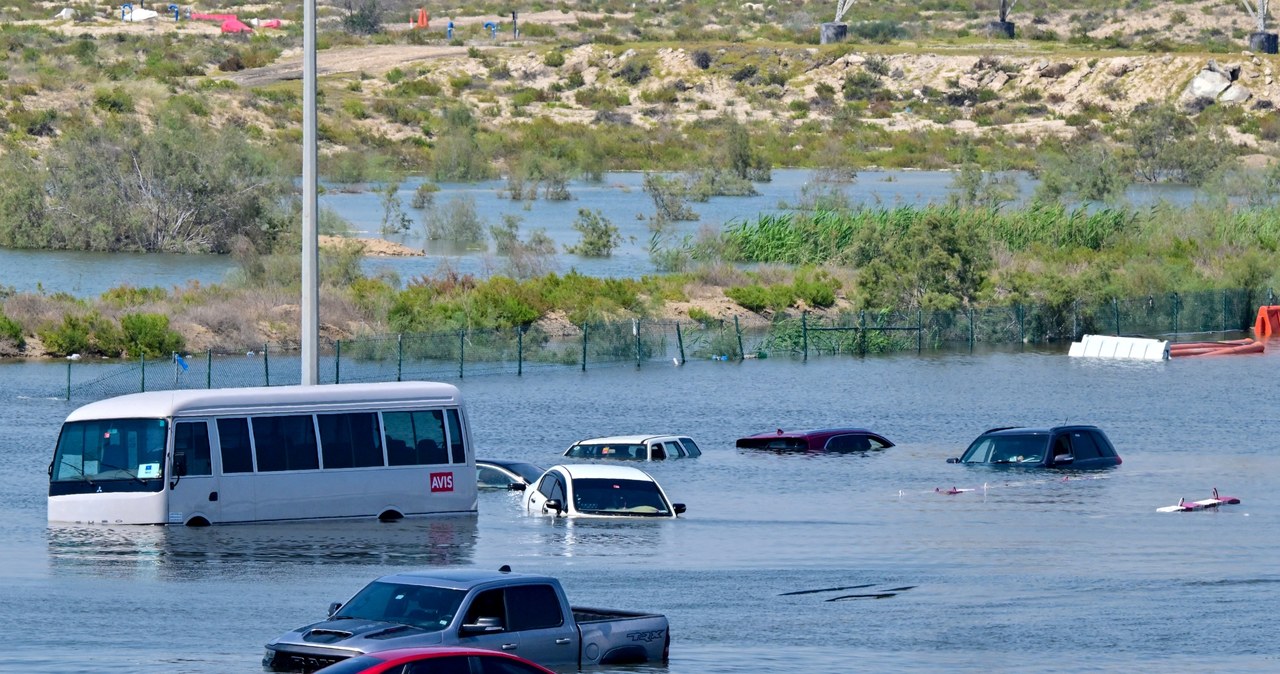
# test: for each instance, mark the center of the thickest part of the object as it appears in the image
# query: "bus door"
(193, 487)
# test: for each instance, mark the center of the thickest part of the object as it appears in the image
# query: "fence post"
(635, 328)
(742, 353)
(1075, 319)
(266, 366)
(519, 351)
(143, 360)
(337, 362)
(462, 350)
(919, 330)
(1115, 309)
(804, 333)
(1022, 323)
(971, 330)
(68, 381)
(1175, 316)
(1224, 311)
(680, 342)
(208, 368)
(584, 347)
(862, 332)
(399, 355)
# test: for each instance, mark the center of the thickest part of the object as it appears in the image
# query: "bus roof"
(273, 399)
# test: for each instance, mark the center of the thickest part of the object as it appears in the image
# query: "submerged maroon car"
(436, 660)
(819, 440)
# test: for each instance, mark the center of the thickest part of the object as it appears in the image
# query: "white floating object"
(1124, 348)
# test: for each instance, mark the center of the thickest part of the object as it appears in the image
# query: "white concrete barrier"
(1133, 348)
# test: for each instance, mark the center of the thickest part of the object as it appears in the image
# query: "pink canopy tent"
(234, 25)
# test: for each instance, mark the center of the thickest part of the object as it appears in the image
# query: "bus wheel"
(390, 516)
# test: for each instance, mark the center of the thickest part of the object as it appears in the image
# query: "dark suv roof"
(822, 439)
(1068, 446)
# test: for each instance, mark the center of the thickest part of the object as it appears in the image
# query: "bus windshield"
(103, 450)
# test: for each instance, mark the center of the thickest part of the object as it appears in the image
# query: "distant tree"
(599, 235)
(363, 17)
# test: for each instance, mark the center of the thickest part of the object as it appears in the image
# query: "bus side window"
(233, 440)
(415, 438)
(191, 448)
(456, 444)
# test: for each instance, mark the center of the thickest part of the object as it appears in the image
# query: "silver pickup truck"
(523, 614)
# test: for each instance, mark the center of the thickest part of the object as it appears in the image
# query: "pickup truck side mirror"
(515, 486)
(679, 508)
(554, 504)
(481, 626)
(953, 459)
(1063, 458)
(333, 608)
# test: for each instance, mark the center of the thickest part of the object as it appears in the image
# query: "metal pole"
(1075, 319)
(919, 330)
(804, 334)
(1224, 311)
(462, 350)
(1022, 324)
(680, 342)
(1115, 309)
(742, 354)
(635, 327)
(1175, 316)
(266, 367)
(143, 359)
(970, 329)
(68, 381)
(399, 355)
(519, 352)
(337, 362)
(310, 232)
(862, 333)
(208, 368)
(584, 347)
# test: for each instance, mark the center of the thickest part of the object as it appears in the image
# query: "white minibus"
(214, 456)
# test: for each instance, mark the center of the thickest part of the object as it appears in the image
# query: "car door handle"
(563, 640)
(510, 647)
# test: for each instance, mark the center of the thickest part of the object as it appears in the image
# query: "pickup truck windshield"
(1007, 449)
(428, 608)
(110, 455)
(619, 497)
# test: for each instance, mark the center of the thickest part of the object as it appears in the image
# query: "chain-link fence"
(457, 355)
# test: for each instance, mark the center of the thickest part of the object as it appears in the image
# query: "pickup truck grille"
(286, 661)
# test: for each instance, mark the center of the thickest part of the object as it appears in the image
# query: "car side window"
(487, 604)
(1061, 446)
(1104, 445)
(546, 484)
(534, 607)
(496, 665)
(492, 476)
(691, 447)
(656, 452)
(453, 664)
(1083, 446)
(849, 442)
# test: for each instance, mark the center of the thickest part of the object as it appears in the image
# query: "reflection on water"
(177, 552)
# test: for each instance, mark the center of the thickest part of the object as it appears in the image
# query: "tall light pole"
(310, 234)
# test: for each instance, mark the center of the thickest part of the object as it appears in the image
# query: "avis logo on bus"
(441, 482)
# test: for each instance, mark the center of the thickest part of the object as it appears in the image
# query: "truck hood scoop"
(325, 636)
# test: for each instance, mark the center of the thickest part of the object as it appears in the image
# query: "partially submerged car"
(635, 448)
(503, 473)
(818, 440)
(441, 659)
(599, 491)
(1077, 446)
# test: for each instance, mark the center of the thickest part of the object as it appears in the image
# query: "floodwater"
(1030, 572)
(620, 197)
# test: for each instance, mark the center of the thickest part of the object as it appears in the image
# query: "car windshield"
(1026, 448)
(428, 608)
(105, 450)
(608, 451)
(619, 497)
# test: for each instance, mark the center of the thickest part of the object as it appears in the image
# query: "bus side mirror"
(333, 608)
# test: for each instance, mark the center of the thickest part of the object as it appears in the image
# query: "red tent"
(234, 25)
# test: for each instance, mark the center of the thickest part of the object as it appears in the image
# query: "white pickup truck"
(523, 614)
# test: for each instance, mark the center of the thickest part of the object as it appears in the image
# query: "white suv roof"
(625, 439)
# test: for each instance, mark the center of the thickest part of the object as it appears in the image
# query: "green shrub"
(85, 334)
(599, 235)
(11, 330)
(113, 100)
(554, 58)
(130, 296)
(150, 335)
(758, 298)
